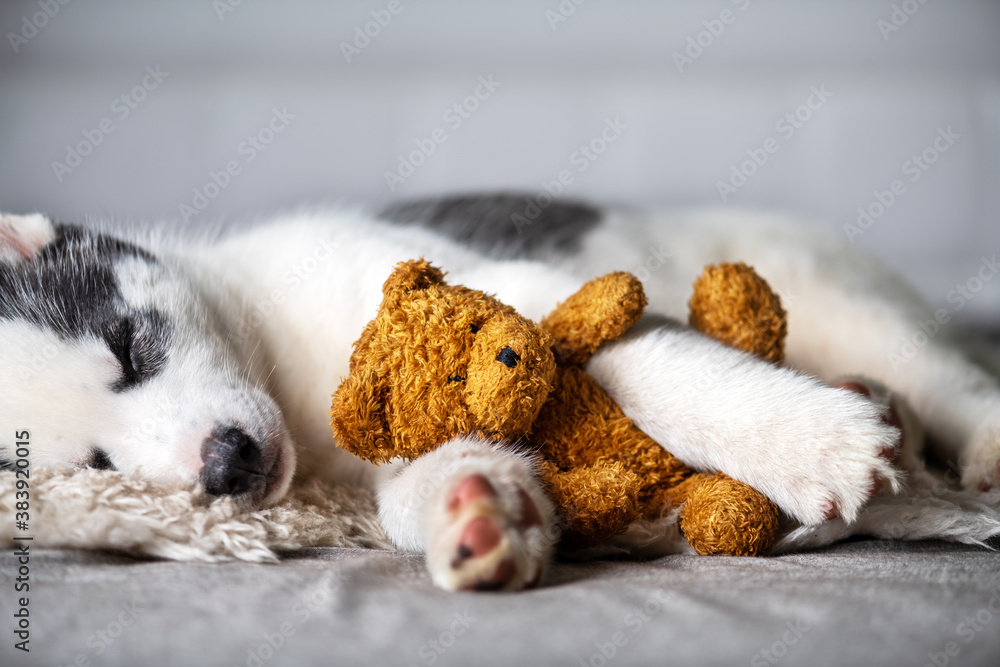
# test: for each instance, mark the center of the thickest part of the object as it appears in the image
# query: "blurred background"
(876, 119)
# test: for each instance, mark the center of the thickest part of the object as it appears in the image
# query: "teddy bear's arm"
(600, 311)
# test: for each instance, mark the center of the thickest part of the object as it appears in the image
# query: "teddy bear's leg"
(478, 512)
(814, 450)
(594, 503)
(723, 516)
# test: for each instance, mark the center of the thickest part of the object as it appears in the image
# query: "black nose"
(508, 357)
(233, 463)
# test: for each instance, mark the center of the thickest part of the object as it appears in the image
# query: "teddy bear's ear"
(413, 275)
(357, 416)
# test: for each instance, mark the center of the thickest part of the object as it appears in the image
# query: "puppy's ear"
(413, 275)
(358, 417)
(22, 236)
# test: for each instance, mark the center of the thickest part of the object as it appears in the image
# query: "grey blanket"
(862, 603)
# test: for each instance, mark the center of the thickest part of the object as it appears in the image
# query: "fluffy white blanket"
(94, 509)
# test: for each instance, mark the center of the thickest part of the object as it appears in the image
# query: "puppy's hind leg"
(478, 512)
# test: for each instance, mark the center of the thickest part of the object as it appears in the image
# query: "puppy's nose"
(508, 357)
(233, 463)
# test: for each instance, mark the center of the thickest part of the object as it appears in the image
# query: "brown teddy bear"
(443, 360)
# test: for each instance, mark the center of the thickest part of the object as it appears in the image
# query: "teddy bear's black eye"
(456, 378)
(508, 357)
(473, 328)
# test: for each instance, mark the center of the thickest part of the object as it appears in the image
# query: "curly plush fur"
(441, 360)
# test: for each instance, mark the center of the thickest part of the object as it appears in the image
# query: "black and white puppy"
(214, 362)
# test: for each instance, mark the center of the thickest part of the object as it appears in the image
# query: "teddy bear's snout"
(508, 377)
(508, 357)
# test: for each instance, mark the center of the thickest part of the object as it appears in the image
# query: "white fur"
(847, 314)
(413, 510)
(60, 389)
(22, 235)
(288, 300)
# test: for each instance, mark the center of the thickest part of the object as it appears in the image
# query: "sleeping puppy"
(212, 362)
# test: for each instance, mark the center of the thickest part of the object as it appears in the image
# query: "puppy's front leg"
(478, 512)
(815, 451)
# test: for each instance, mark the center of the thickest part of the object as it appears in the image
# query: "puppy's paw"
(845, 456)
(908, 452)
(981, 460)
(489, 535)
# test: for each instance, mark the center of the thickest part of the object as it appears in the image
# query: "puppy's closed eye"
(139, 343)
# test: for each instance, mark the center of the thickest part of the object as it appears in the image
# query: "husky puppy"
(213, 362)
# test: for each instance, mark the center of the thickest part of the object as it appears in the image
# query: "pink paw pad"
(480, 537)
(482, 553)
(504, 573)
(856, 387)
(471, 488)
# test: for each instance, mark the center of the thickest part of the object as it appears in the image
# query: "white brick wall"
(609, 59)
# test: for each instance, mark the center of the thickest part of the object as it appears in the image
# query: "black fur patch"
(69, 287)
(99, 460)
(138, 341)
(508, 226)
(7, 465)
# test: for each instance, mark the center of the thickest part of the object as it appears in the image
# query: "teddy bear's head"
(438, 361)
